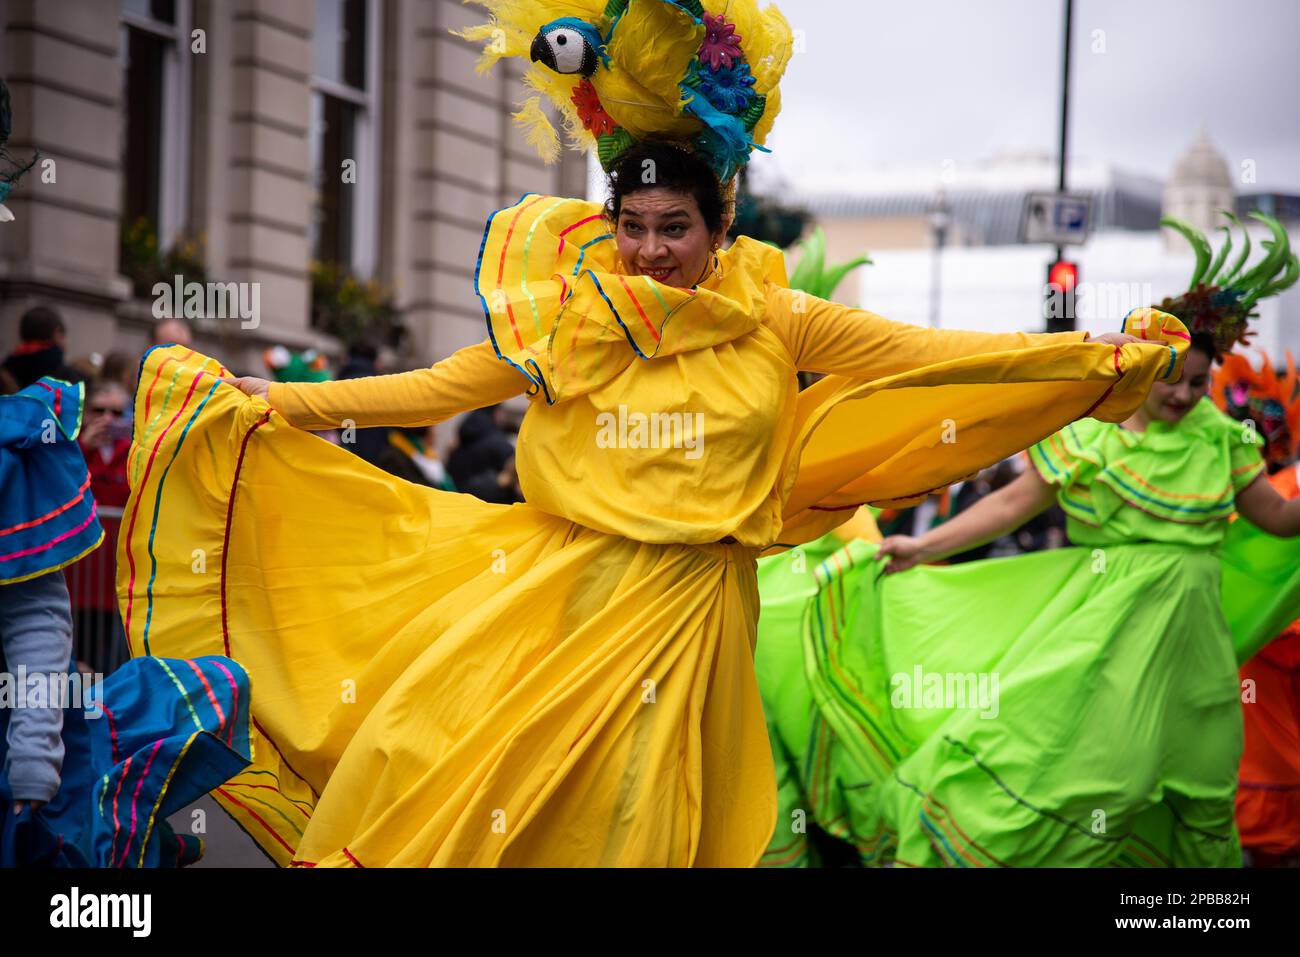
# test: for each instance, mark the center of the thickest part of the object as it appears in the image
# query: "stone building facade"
(229, 125)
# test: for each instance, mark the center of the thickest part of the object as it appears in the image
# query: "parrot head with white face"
(568, 45)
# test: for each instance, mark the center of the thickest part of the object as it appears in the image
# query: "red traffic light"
(1063, 275)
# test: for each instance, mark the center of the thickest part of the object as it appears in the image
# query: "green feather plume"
(811, 274)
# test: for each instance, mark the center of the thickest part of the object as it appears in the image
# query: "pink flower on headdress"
(721, 46)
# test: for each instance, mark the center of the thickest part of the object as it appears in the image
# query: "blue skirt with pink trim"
(47, 513)
(151, 738)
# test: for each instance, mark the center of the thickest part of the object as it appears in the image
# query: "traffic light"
(1062, 280)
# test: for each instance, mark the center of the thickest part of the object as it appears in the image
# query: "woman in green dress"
(1070, 708)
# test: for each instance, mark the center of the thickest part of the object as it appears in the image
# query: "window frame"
(173, 192)
(365, 191)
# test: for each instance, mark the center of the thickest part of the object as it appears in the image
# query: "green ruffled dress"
(1077, 707)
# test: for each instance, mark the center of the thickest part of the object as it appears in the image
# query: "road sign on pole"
(1061, 219)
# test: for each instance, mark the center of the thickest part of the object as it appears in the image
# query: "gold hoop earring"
(709, 270)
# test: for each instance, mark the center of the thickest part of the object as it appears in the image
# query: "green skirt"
(1078, 707)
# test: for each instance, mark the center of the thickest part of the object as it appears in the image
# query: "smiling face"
(661, 234)
(1170, 403)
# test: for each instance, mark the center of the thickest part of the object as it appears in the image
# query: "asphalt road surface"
(225, 843)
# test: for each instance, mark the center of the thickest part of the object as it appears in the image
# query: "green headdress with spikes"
(1220, 298)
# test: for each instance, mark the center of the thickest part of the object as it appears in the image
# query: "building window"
(344, 129)
(155, 100)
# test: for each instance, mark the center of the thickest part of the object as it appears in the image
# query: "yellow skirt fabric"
(439, 681)
(436, 680)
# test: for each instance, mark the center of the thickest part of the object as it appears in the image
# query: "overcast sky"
(921, 82)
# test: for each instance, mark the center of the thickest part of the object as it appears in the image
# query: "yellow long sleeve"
(821, 337)
(828, 337)
(468, 379)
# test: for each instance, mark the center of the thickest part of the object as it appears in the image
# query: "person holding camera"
(105, 441)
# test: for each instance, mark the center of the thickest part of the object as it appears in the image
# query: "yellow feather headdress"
(703, 73)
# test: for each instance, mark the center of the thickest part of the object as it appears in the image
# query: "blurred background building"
(213, 139)
(990, 279)
(342, 155)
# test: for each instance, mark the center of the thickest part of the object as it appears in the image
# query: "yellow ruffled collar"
(563, 310)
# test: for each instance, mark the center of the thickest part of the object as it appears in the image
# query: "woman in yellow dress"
(570, 681)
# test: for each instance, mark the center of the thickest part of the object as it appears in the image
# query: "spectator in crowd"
(482, 453)
(87, 366)
(172, 331)
(362, 361)
(500, 487)
(41, 341)
(121, 368)
(307, 366)
(105, 441)
(413, 455)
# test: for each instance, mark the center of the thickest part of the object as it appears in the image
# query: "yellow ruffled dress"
(441, 681)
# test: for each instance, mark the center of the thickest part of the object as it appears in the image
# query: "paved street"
(226, 845)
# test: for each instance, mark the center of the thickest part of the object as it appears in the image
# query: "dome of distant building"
(1199, 186)
(1201, 165)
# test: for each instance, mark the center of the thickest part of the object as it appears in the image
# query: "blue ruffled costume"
(157, 733)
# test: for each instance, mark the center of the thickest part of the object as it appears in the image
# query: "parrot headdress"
(1270, 400)
(702, 73)
(1220, 297)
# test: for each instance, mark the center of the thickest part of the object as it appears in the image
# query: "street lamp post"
(940, 220)
(1065, 321)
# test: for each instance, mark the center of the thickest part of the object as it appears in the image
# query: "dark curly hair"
(654, 164)
(1205, 342)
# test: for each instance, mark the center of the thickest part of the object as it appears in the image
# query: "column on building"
(61, 65)
(260, 203)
